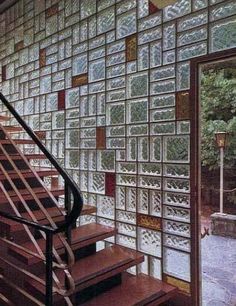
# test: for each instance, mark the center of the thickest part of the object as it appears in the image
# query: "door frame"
(195, 170)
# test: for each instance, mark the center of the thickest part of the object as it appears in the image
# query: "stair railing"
(72, 211)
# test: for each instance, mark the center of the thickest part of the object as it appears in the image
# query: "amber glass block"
(149, 222)
(182, 105)
(181, 285)
(101, 138)
(131, 48)
(80, 80)
(52, 10)
(19, 46)
(42, 58)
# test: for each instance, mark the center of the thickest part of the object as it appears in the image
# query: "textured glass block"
(137, 85)
(116, 131)
(126, 241)
(162, 128)
(168, 57)
(126, 24)
(116, 59)
(155, 149)
(97, 53)
(176, 213)
(143, 57)
(97, 183)
(126, 180)
(126, 229)
(131, 199)
(155, 203)
(192, 21)
(199, 4)
(116, 83)
(116, 95)
(169, 37)
(223, 35)
(163, 101)
(143, 8)
(177, 170)
(162, 87)
(192, 36)
(176, 242)
(176, 228)
(149, 241)
(125, 216)
(131, 149)
(106, 20)
(180, 8)
(138, 130)
(58, 120)
(222, 10)
(177, 185)
(150, 22)
(125, 6)
(79, 65)
(97, 70)
(155, 268)
(127, 168)
(176, 149)
(149, 182)
(105, 207)
(150, 35)
(88, 8)
(183, 127)
(116, 143)
(102, 4)
(162, 115)
(150, 169)
(106, 160)
(183, 76)
(162, 73)
(45, 84)
(120, 197)
(177, 199)
(137, 111)
(83, 160)
(72, 138)
(155, 54)
(180, 270)
(116, 71)
(72, 159)
(116, 47)
(189, 52)
(116, 113)
(72, 98)
(52, 25)
(143, 201)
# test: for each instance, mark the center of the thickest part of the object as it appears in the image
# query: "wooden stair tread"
(81, 236)
(56, 214)
(17, 141)
(12, 128)
(42, 172)
(27, 156)
(4, 118)
(135, 290)
(95, 268)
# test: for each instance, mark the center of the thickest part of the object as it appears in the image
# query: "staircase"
(45, 259)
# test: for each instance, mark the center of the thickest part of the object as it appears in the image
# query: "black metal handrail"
(70, 185)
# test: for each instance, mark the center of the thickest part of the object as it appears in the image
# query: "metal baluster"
(49, 278)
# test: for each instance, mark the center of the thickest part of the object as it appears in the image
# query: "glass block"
(183, 76)
(183, 127)
(181, 171)
(155, 267)
(149, 241)
(105, 207)
(176, 149)
(143, 149)
(97, 70)
(192, 36)
(120, 197)
(116, 113)
(162, 87)
(162, 73)
(177, 242)
(169, 36)
(79, 65)
(52, 25)
(126, 180)
(116, 95)
(192, 21)
(83, 160)
(149, 182)
(143, 8)
(143, 57)
(72, 159)
(116, 59)
(124, 167)
(180, 270)
(180, 8)
(137, 111)
(155, 54)
(177, 199)
(97, 183)
(155, 203)
(87, 8)
(116, 143)
(126, 241)
(131, 199)
(116, 83)
(163, 128)
(168, 57)
(125, 6)
(177, 185)
(192, 51)
(126, 24)
(131, 149)
(138, 85)
(126, 229)
(102, 4)
(137, 130)
(116, 71)
(72, 98)
(106, 20)
(125, 216)
(150, 21)
(150, 169)
(199, 4)
(176, 213)
(163, 101)
(223, 35)
(149, 35)
(116, 131)
(45, 84)
(143, 201)
(58, 120)
(222, 10)
(117, 46)
(72, 139)
(176, 228)
(106, 161)
(143, 267)
(162, 115)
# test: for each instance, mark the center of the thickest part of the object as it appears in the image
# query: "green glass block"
(223, 35)
(176, 149)
(126, 24)
(138, 85)
(115, 113)
(106, 160)
(106, 20)
(137, 111)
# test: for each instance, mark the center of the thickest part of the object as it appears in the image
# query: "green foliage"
(218, 102)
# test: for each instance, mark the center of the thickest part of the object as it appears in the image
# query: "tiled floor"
(218, 271)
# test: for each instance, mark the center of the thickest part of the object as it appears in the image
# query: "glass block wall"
(107, 84)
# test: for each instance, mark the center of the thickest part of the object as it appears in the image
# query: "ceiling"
(5, 4)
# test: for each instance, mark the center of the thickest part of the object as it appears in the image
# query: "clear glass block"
(192, 21)
(143, 8)
(137, 111)
(177, 149)
(192, 36)
(137, 130)
(222, 35)
(126, 180)
(155, 267)
(143, 267)
(51, 25)
(125, 216)
(116, 83)
(180, 270)
(155, 203)
(97, 70)
(87, 8)
(150, 169)
(163, 101)
(137, 85)
(72, 159)
(116, 95)
(102, 4)
(162, 115)
(116, 131)
(177, 242)
(150, 21)
(131, 149)
(183, 76)
(106, 160)
(126, 241)
(97, 183)
(126, 24)
(72, 139)
(131, 199)
(192, 51)
(183, 127)
(181, 171)
(162, 87)
(177, 185)
(125, 6)
(143, 201)
(143, 149)
(72, 97)
(149, 35)
(115, 113)
(126, 229)
(169, 36)
(45, 84)
(149, 182)
(80, 65)
(149, 241)
(180, 8)
(124, 167)
(162, 73)
(155, 54)
(222, 10)
(116, 46)
(199, 4)
(105, 207)
(116, 143)
(176, 213)
(163, 128)
(176, 228)
(106, 20)
(120, 197)
(168, 57)
(115, 71)
(143, 57)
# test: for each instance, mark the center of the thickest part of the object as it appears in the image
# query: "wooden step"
(17, 141)
(4, 118)
(42, 172)
(56, 214)
(27, 156)
(135, 291)
(81, 237)
(95, 268)
(12, 128)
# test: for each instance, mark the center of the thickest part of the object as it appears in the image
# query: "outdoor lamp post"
(221, 138)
